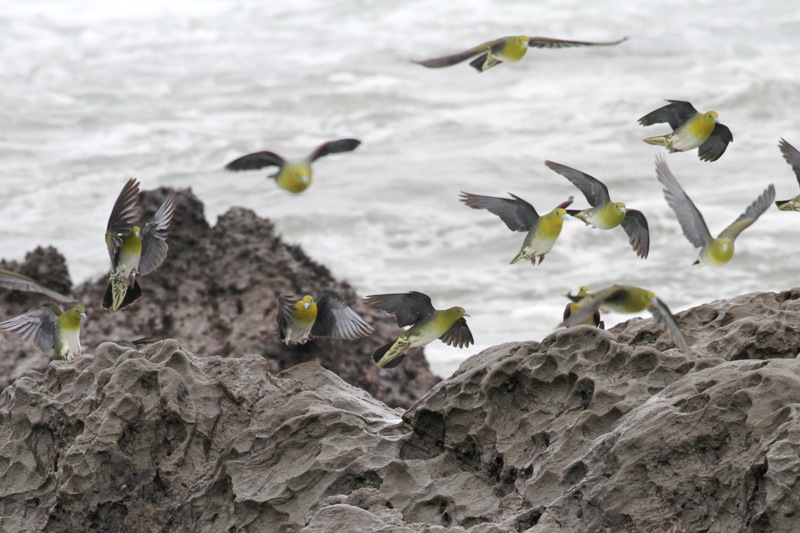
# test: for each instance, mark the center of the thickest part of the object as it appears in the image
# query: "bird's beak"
(623, 209)
(83, 315)
(306, 305)
(466, 314)
(565, 217)
(137, 233)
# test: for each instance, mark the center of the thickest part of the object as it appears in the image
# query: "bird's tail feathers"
(520, 255)
(119, 295)
(782, 205)
(662, 140)
(484, 62)
(394, 358)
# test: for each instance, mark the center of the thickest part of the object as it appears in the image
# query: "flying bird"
(605, 214)
(572, 307)
(294, 176)
(792, 156)
(513, 48)
(18, 282)
(427, 324)
(134, 250)
(691, 129)
(719, 251)
(519, 215)
(300, 320)
(628, 299)
(48, 328)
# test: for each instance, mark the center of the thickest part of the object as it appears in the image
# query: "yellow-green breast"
(514, 48)
(295, 177)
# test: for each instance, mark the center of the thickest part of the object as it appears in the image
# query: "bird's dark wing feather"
(458, 335)
(154, 237)
(675, 113)
(285, 313)
(124, 215)
(333, 147)
(635, 225)
(256, 160)
(792, 156)
(594, 190)
(37, 326)
(407, 308)
(549, 42)
(335, 319)
(18, 282)
(517, 214)
(716, 144)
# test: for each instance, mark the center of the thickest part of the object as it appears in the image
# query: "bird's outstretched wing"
(792, 156)
(124, 215)
(664, 318)
(635, 225)
(333, 147)
(675, 113)
(335, 319)
(256, 160)
(549, 42)
(453, 59)
(285, 313)
(38, 326)
(750, 215)
(692, 223)
(458, 335)
(517, 214)
(154, 237)
(594, 190)
(408, 308)
(18, 282)
(716, 144)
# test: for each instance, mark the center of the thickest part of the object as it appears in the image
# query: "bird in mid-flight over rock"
(792, 156)
(300, 320)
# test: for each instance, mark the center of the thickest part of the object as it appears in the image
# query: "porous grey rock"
(585, 431)
(217, 293)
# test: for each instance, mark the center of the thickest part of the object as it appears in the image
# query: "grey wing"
(675, 113)
(635, 225)
(37, 326)
(458, 335)
(692, 223)
(517, 214)
(154, 237)
(716, 144)
(751, 214)
(591, 304)
(285, 313)
(453, 59)
(334, 147)
(664, 318)
(18, 282)
(256, 160)
(792, 156)
(548, 42)
(335, 319)
(594, 190)
(408, 308)
(124, 215)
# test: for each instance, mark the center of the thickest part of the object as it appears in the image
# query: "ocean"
(97, 92)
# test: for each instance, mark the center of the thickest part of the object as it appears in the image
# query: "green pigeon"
(427, 324)
(715, 252)
(134, 250)
(294, 176)
(18, 282)
(691, 129)
(48, 328)
(628, 299)
(605, 214)
(300, 320)
(572, 307)
(519, 215)
(512, 48)
(792, 156)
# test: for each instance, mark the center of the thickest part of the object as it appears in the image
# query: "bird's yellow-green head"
(720, 252)
(514, 48)
(137, 231)
(71, 318)
(561, 213)
(712, 115)
(583, 291)
(621, 206)
(305, 310)
(295, 178)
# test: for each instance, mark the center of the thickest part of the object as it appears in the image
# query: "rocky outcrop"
(586, 431)
(217, 293)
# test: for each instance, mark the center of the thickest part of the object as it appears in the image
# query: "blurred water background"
(94, 92)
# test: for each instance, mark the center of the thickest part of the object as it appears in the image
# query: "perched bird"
(519, 215)
(719, 251)
(48, 328)
(511, 48)
(792, 156)
(300, 320)
(605, 214)
(427, 324)
(293, 176)
(628, 299)
(690, 130)
(134, 250)
(572, 307)
(18, 282)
